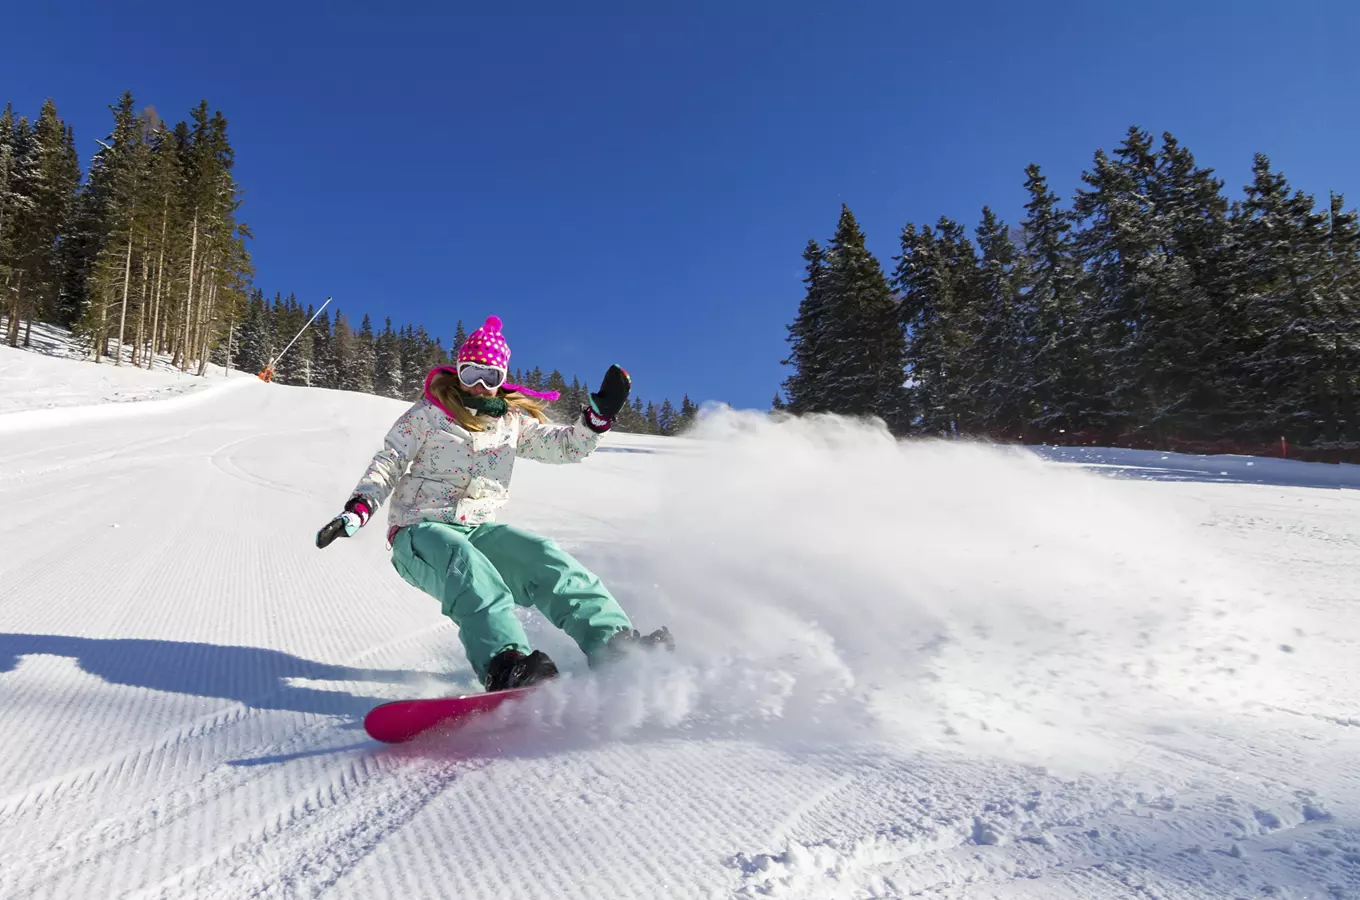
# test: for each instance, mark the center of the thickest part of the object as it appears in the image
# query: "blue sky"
(623, 182)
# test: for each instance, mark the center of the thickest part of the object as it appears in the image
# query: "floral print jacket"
(437, 471)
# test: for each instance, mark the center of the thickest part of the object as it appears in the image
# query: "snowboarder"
(447, 463)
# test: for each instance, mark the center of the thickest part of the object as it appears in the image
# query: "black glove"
(608, 400)
(346, 524)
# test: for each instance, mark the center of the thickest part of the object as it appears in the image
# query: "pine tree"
(809, 354)
(941, 310)
(362, 361)
(1343, 294)
(1055, 356)
(436, 355)
(47, 176)
(999, 346)
(254, 337)
(668, 419)
(343, 345)
(415, 361)
(387, 378)
(324, 373)
(865, 348)
(210, 269)
(1183, 343)
(653, 419)
(1281, 244)
(574, 399)
(165, 189)
(961, 308)
(459, 336)
(558, 382)
(632, 419)
(13, 201)
(409, 354)
(689, 415)
(115, 202)
(294, 367)
(1135, 291)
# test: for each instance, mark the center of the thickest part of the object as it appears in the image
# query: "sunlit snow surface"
(904, 669)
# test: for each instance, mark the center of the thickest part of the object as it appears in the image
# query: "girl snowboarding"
(447, 464)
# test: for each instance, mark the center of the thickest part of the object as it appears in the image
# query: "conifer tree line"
(394, 362)
(1151, 309)
(143, 256)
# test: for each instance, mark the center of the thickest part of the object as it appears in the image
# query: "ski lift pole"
(268, 373)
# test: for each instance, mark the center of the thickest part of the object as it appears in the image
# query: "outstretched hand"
(341, 526)
(346, 524)
(609, 399)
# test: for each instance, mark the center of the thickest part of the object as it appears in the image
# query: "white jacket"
(438, 471)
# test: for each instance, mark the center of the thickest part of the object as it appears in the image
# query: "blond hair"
(444, 388)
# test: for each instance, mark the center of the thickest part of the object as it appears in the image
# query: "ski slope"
(904, 670)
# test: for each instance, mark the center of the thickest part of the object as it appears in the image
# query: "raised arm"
(555, 444)
(573, 443)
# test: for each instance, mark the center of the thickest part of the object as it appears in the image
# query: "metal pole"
(273, 362)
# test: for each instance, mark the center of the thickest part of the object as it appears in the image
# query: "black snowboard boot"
(626, 642)
(512, 669)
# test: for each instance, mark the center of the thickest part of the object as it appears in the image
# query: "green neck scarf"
(495, 407)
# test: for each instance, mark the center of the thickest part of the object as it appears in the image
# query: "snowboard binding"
(512, 669)
(626, 642)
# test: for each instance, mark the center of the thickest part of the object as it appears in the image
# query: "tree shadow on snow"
(254, 676)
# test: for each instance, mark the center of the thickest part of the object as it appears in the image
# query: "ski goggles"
(489, 377)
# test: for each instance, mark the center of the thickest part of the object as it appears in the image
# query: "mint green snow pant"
(479, 574)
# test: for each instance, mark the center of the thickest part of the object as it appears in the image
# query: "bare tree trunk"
(197, 340)
(160, 272)
(101, 337)
(207, 325)
(231, 328)
(189, 298)
(12, 335)
(138, 344)
(127, 280)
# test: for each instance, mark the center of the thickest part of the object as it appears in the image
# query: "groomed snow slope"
(918, 669)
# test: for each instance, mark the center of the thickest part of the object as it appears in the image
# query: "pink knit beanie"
(487, 346)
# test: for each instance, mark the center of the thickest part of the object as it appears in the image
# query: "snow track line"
(69, 853)
(308, 845)
(781, 832)
(222, 459)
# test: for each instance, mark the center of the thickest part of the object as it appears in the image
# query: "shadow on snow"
(254, 676)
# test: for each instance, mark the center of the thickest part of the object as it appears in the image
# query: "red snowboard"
(401, 720)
